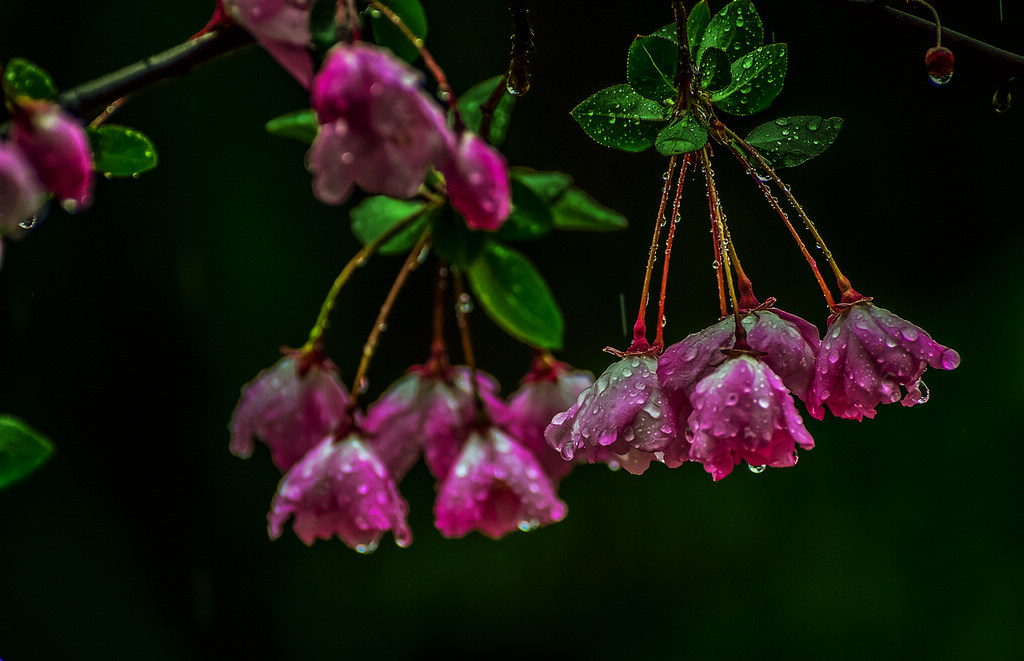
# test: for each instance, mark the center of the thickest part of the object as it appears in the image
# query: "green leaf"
(757, 79)
(696, 25)
(620, 118)
(22, 450)
(23, 78)
(683, 136)
(715, 70)
(469, 105)
(651, 68)
(386, 34)
(789, 141)
(515, 296)
(376, 215)
(323, 24)
(570, 207)
(300, 125)
(530, 217)
(736, 29)
(453, 241)
(119, 151)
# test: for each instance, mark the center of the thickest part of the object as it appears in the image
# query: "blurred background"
(126, 332)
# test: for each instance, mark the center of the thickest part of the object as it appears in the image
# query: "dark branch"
(178, 60)
(1008, 63)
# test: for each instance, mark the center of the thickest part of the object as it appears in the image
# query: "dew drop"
(940, 81)
(755, 469)
(465, 305)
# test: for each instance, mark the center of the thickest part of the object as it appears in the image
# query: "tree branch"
(1005, 61)
(174, 61)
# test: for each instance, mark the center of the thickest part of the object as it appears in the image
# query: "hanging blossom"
(431, 411)
(291, 406)
(866, 355)
(496, 486)
(478, 183)
(378, 127)
(21, 192)
(282, 28)
(344, 489)
(743, 412)
(56, 145)
(623, 419)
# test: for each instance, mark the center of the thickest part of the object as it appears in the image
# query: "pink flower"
(21, 193)
(291, 406)
(624, 411)
(866, 355)
(428, 410)
(743, 412)
(550, 388)
(340, 489)
(56, 145)
(378, 128)
(282, 28)
(495, 487)
(478, 183)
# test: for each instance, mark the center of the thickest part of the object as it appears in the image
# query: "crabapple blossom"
(58, 148)
(21, 193)
(282, 28)
(478, 184)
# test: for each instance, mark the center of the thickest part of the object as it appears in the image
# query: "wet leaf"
(22, 450)
(515, 296)
(119, 151)
(469, 105)
(376, 215)
(757, 79)
(570, 208)
(530, 217)
(696, 25)
(735, 29)
(386, 34)
(23, 78)
(651, 68)
(715, 70)
(683, 136)
(790, 141)
(620, 118)
(323, 26)
(300, 125)
(453, 241)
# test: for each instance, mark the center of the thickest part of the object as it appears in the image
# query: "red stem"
(659, 339)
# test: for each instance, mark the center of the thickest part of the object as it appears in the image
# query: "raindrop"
(422, 257)
(663, 321)
(755, 469)
(925, 393)
(444, 95)
(28, 223)
(465, 305)
(381, 327)
(715, 264)
(940, 81)
(69, 205)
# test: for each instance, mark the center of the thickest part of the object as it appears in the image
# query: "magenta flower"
(623, 411)
(866, 355)
(478, 183)
(56, 145)
(378, 127)
(21, 193)
(282, 28)
(340, 489)
(495, 487)
(429, 411)
(291, 406)
(743, 412)
(550, 388)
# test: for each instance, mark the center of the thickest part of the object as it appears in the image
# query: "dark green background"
(126, 332)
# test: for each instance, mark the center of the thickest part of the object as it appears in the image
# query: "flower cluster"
(494, 473)
(48, 153)
(720, 397)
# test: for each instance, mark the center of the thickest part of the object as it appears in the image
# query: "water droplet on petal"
(755, 469)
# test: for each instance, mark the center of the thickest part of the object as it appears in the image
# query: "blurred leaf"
(469, 105)
(715, 70)
(570, 207)
(386, 34)
(683, 136)
(453, 241)
(376, 215)
(757, 79)
(651, 68)
(22, 450)
(620, 118)
(23, 78)
(515, 296)
(119, 151)
(301, 125)
(735, 29)
(530, 217)
(790, 141)
(697, 25)
(323, 24)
